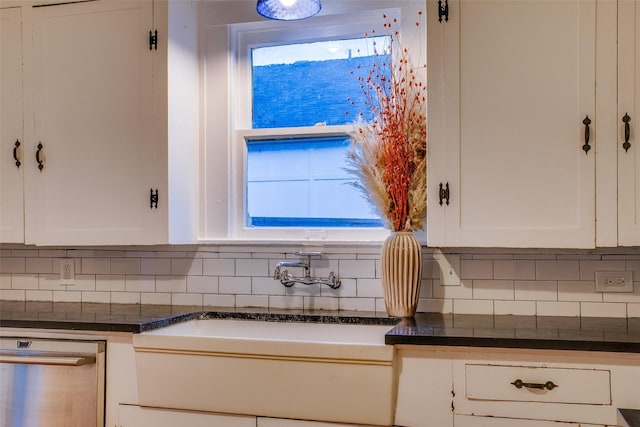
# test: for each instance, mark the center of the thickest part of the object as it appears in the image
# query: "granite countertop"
(630, 417)
(529, 332)
(136, 318)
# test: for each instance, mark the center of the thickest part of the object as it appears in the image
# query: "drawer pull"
(549, 385)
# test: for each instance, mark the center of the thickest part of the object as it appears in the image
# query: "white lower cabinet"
(424, 388)
(469, 387)
(138, 416)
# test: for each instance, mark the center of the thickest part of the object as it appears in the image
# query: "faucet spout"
(300, 264)
(287, 279)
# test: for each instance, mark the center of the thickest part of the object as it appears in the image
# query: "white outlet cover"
(614, 281)
(69, 278)
(449, 268)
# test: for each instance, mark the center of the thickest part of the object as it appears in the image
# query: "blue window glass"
(302, 183)
(309, 83)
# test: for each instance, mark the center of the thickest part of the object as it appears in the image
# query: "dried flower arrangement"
(388, 155)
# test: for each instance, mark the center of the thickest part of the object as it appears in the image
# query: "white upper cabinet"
(510, 86)
(628, 143)
(97, 146)
(92, 73)
(11, 127)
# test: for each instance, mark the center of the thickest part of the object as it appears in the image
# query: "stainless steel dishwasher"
(51, 382)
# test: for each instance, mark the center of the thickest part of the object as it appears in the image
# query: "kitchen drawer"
(486, 389)
(520, 384)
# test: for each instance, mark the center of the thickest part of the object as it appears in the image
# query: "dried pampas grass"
(388, 156)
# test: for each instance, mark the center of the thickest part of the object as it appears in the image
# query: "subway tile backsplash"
(491, 281)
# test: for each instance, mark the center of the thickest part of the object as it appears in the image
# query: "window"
(288, 181)
(289, 92)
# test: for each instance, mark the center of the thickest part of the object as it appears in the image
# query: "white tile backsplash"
(553, 308)
(612, 309)
(517, 308)
(25, 281)
(493, 289)
(536, 290)
(494, 281)
(558, 270)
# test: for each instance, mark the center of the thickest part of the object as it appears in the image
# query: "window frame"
(354, 22)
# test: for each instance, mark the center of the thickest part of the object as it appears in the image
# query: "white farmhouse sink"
(315, 371)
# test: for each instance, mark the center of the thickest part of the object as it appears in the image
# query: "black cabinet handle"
(39, 159)
(15, 153)
(587, 134)
(549, 385)
(627, 132)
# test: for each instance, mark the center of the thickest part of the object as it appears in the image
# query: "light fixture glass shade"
(288, 10)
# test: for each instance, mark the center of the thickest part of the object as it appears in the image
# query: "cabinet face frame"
(470, 219)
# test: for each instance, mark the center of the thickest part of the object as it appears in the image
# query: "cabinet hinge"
(443, 10)
(153, 40)
(153, 199)
(444, 194)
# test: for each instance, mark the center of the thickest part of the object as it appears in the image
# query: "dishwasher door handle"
(56, 360)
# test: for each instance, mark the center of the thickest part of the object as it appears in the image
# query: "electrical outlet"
(449, 268)
(67, 271)
(614, 281)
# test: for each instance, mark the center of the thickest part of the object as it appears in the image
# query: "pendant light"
(288, 10)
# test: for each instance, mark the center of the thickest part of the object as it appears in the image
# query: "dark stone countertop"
(531, 332)
(528, 332)
(136, 318)
(630, 417)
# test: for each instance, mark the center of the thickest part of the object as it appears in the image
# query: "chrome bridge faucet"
(287, 279)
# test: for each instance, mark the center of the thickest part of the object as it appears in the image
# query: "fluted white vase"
(401, 263)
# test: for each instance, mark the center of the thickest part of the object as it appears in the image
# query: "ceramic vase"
(401, 263)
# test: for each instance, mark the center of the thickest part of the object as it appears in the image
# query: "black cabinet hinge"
(443, 10)
(444, 194)
(153, 40)
(153, 199)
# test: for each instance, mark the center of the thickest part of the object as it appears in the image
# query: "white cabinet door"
(424, 397)
(628, 108)
(510, 84)
(92, 71)
(11, 127)
(137, 416)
